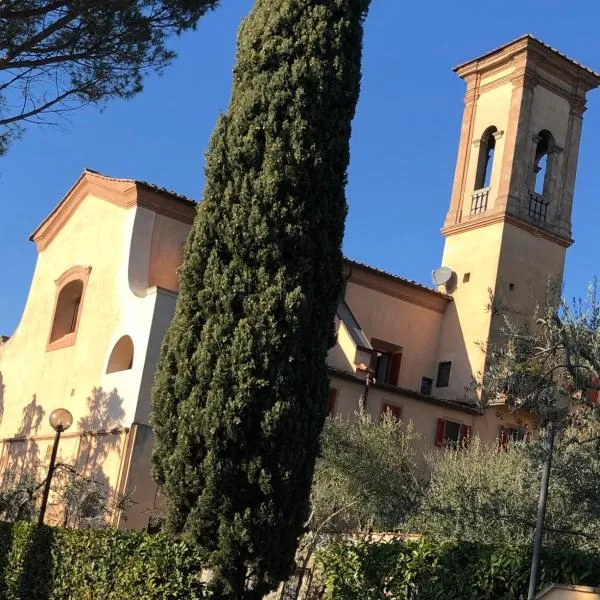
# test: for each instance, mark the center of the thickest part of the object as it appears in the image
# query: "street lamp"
(60, 420)
(553, 414)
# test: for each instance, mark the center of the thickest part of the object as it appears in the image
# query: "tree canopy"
(241, 390)
(56, 55)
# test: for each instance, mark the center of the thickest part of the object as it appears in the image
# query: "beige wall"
(115, 240)
(570, 592)
(423, 412)
(401, 317)
(466, 323)
(166, 252)
(493, 109)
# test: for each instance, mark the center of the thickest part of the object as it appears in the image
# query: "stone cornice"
(124, 193)
(501, 217)
(550, 59)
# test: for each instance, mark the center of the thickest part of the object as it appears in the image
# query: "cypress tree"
(240, 395)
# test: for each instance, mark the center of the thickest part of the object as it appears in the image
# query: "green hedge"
(44, 563)
(448, 571)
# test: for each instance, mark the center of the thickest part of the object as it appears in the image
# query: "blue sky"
(404, 140)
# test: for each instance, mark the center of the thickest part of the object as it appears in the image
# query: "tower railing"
(538, 207)
(479, 201)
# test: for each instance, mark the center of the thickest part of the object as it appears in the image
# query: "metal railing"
(538, 207)
(479, 201)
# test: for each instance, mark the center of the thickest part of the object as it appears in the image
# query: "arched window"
(541, 165)
(121, 357)
(487, 146)
(70, 289)
(67, 310)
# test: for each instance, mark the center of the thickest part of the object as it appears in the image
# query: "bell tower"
(509, 221)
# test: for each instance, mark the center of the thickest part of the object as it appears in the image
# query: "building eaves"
(133, 182)
(393, 277)
(399, 391)
(146, 185)
(538, 41)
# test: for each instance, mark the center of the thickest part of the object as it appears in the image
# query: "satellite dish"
(441, 276)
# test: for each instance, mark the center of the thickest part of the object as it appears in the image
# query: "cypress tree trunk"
(240, 395)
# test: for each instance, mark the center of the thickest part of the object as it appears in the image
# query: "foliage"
(65, 564)
(240, 395)
(366, 477)
(447, 571)
(18, 499)
(484, 495)
(554, 356)
(56, 55)
(84, 501)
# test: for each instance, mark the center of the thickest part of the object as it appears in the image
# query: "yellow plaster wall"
(113, 241)
(529, 262)
(467, 321)
(492, 109)
(423, 413)
(570, 592)
(166, 252)
(391, 319)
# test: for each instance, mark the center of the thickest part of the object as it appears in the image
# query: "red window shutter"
(393, 372)
(439, 433)
(502, 439)
(393, 408)
(593, 393)
(332, 401)
(464, 436)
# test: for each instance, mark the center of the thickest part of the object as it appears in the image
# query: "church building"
(105, 285)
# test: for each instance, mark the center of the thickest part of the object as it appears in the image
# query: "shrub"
(447, 571)
(64, 564)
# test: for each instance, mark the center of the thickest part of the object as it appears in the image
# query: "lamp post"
(60, 420)
(553, 415)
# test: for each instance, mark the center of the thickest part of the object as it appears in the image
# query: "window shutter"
(502, 439)
(439, 434)
(393, 408)
(593, 393)
(464, 436)
(332, 401)
(393, 371)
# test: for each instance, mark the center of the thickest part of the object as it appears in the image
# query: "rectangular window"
(511, 433)
(450, 434)
(443, 374)
(387, 367)
(332, 401)
(392, 408)
(426, 386)
(382, 363)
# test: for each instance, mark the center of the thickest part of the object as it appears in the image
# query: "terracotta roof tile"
(146, 185)
(389, 275)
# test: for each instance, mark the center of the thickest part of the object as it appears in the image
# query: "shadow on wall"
(99, 437)
(23, 459)
(105, 414)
